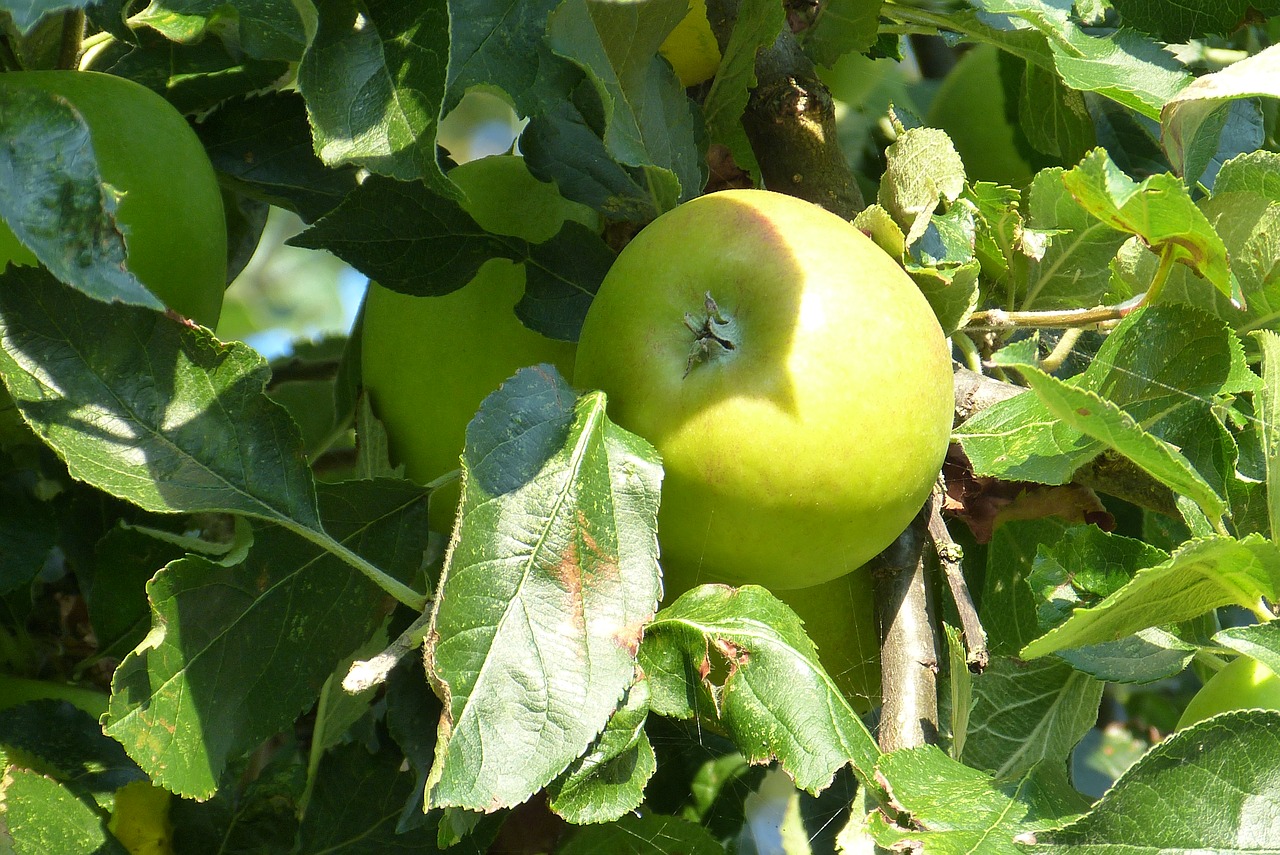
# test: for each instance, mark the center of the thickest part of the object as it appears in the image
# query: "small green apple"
(1244, 683)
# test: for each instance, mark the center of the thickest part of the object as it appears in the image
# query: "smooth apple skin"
(1244, 683)
(796, 457)
(428, 362)
(839, 617)
(171, 212)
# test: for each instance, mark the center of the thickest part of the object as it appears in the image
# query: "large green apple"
(792, 376)
(428, 362)
(1243, 684)
(171, 210)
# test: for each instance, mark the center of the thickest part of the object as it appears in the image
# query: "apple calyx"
(714, 334)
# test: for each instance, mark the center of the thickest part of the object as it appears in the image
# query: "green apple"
(171, 210)
(791, 375)
(1244, 683)
(428, 362)
(970, 108)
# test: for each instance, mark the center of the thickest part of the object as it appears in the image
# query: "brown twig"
(790, 122)
(950, 556)
(908, 647)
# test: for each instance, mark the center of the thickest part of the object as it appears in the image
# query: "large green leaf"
(1221, 774)
(237, 653)
(549, 583)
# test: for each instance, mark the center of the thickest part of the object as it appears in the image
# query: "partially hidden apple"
(792, 376)
(1244, 683)
(691, 47)
(428, 362)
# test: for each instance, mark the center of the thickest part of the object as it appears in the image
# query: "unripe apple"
(792, 376)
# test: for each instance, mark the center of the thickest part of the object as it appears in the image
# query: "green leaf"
(374, 81)
(55, 202)
(1155, 362)
(499, 43)
(1220, 774)
(609, 780)
(356, 804)
(1192, 121)
(1007, 605)
(1123, 65)
(148, 409)
(41, 816)
(842, 26)
(264, 144)
(1182, 21)
(235, 654)
(194, 78)
(923, 169)
(413, 241)
(758, 24)
(653, 834)
(1026, 713)
(125, 560)
(648, 120)
(547, 588)
(1072, 271)
(263, 30)
(28, 532)
(1053, 117)
(1100, 418)
(67, 744)
(950, 808)
(1259, 641)
(739, 657)
(1202, 575)
(1160, 211)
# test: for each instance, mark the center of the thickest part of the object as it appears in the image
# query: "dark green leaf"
(1184, 20)
(264, 29)
(193, 77)
(125, 561)
(643, 835)
(648, 120)
(1054, 117)
(356, 804)
(68, 745)
(236, 653)
(265, 143)
(54, 199)
(739, 657)
(374, 81)
(415, 242)
(549, 583)
(842, 26)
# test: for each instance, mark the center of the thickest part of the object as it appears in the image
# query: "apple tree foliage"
(213, 559)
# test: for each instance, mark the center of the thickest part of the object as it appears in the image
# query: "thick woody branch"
(791, 124)
(908, 651)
